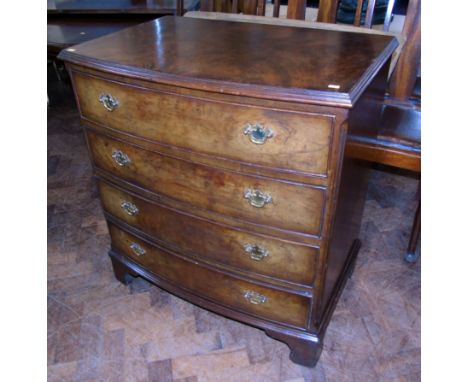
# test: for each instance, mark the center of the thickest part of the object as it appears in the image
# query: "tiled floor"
(100, 330)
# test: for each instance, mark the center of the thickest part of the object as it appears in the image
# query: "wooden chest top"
(266, 61)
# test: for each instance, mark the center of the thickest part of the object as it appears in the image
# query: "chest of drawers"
(221, 163)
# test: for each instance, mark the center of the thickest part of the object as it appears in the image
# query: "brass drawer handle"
(257, 198)
(257, 133)
(109, 102)
(137, 249)
(121, 158)
(256, 252)
(254, 297)
(129, 208)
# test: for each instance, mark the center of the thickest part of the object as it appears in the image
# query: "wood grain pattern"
(294, 207)
(208, 240)
(390, 156)
(296, 9)
(327, 11)
(280, 306)
(295, 72)
(209, 127)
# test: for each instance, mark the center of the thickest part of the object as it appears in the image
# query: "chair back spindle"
(388, 15)
(369, 13)
(357, 15)
(296, 9)
(276, 8)
(247, 7)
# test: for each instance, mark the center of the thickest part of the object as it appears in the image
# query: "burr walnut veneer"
(221, 165)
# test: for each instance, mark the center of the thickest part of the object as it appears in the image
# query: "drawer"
(236, 293)
(258, 200)
(194, 236)
(300, 141)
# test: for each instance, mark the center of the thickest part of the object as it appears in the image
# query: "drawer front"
(299, 141)
(274, 258)
(271, 203)
(238, 294)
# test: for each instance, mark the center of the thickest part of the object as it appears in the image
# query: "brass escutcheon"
(257, 198)
(256, 252)
(255, 297)
(257, 133)
(129, 208)
(109, 102)
(137, 249)
(121, 158)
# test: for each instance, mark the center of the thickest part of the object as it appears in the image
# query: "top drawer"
(276, 139)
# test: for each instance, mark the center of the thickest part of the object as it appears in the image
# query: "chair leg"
(56, 70)
(411, 256)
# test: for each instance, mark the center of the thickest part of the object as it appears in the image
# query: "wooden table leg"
(411, 256)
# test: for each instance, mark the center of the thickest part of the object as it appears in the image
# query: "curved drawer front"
(235, 248)
(238, 294)
(277, 139)
(272, 203)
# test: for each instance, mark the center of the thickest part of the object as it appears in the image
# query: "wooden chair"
(296, 9)
(398, 142)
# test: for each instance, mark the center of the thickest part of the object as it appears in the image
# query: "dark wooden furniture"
(405, 74)
(71, 22)
(118, 8)
(397, 144)
(222, 168)
(398, 140)
(62, 34)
